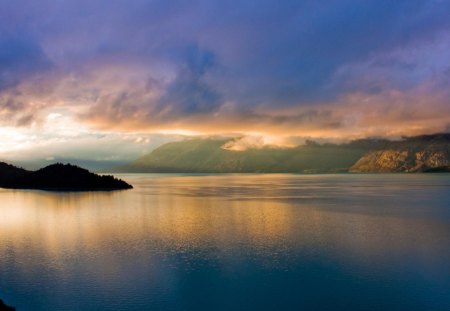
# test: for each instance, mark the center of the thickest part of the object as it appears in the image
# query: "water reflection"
(221, 242)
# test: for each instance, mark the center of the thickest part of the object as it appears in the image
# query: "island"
(58, 177)
(4, 307)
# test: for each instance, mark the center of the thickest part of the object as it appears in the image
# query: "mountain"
(426, 153)
(212, 156)
(60, 177)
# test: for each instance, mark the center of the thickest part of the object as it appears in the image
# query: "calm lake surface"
(231, 242)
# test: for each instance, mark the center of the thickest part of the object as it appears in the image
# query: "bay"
(231, 242)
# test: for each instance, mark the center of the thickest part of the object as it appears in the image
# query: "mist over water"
(231, 242)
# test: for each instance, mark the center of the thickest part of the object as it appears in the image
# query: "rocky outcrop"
(4, 307)
(227, 155)
(402, 158)
(382, 161)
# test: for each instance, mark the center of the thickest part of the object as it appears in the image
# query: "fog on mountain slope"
(214, 155)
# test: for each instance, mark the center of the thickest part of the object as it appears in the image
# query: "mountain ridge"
(425, 153)
(208, 155)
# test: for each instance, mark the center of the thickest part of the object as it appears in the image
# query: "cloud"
(348, 68)
(189, 93)
(21, 58)
(243, 143)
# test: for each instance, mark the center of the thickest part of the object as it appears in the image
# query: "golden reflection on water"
(66, 220)
(202, 212)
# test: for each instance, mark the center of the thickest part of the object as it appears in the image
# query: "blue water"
(231, 242)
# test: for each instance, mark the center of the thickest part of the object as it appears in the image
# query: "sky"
(109, 80)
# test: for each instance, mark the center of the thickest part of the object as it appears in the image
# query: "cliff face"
(414, 155)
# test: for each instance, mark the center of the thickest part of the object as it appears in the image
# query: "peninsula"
(58, 177)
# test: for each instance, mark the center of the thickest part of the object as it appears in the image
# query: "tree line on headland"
(58, 177)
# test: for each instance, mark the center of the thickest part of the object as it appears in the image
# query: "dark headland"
(58, 177)
(4, 307)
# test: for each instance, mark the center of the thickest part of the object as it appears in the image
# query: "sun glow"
(13, 139)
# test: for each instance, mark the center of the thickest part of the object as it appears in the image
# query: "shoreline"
(4, 307)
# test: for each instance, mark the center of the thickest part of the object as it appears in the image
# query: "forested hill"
(210, 156)
(60, 177)
(411, 154)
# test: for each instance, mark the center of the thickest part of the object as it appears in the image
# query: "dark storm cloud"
(156, 62)
(294, 48)
(20, 58)
(188, 92)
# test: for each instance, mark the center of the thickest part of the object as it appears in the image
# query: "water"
(231, 242)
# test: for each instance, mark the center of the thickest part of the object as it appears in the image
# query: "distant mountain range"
(209, 156)
(60, 177)
(414, 154)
